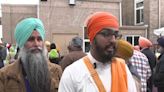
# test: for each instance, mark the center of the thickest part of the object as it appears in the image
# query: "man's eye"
(105, 34)
(31, 39)
(39, 39)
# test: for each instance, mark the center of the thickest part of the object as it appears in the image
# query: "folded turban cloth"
(161, 41)
(124, 49)
(100, 20)
(25, 28)
(144, 42)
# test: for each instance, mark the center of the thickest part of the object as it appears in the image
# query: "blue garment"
(28, 88)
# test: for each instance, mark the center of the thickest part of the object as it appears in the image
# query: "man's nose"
(36, 42)
(112, 39)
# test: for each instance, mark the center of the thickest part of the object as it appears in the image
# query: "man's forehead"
(35, 33)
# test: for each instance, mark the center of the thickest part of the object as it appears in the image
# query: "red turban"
(100, 20)
(144, 42)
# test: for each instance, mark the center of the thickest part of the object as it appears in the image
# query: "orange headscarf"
(144, 42)
(100, 20)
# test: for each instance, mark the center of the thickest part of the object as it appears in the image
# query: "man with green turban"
(32, 72)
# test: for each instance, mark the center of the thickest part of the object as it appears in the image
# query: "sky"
(19, 1)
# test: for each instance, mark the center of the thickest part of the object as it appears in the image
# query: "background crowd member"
(75, 52)
(32, 72)
(11, 55)
(3, 53)
(47, 44)
(140, 61)
(99, 71)
(159, 73)
(136, 47)
(145, 45)
(54, 56)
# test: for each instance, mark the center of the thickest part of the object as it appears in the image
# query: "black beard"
(103, 57)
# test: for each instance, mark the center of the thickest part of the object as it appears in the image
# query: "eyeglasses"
(107, 32)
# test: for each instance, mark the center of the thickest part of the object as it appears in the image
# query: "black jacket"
(159, 73)
(151, 57)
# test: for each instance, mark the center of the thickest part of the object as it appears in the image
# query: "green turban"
(25, 28)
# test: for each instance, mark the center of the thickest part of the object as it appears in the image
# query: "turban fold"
(144, 42)
(124, 49)
(25, 28)
(100, 20)
(161, 41)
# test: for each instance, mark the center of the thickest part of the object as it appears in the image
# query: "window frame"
(43, 0)
(85, 39)
(141, 10)
(133, 37)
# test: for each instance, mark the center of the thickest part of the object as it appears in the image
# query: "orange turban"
(100, 20)
(144, 42)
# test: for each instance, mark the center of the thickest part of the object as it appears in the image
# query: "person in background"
(159, 71)
(32, 72)
(75, 52)
(47, 43)
(99, 71)
(140, 61)
(145, 45)
(136, 47)
(53, 54)
(11, 55)
(3, 54)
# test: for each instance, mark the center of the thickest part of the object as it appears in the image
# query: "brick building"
(64, 19)
(146, 13)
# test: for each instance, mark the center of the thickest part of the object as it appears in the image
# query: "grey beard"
(36, 69)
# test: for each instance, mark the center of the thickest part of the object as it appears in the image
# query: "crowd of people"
(111, 65)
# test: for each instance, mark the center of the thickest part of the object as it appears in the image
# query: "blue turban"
(25, 28)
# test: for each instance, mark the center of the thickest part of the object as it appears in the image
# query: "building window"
(86, 41)
(139, 8)
(133, 39)
(86, 45)
(0, 21)
(43, 0)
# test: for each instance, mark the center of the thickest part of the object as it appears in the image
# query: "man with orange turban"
(99, 71)
(145, 45)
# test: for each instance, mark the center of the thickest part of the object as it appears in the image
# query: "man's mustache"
(35, 48)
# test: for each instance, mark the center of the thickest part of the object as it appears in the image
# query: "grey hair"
(36, 69)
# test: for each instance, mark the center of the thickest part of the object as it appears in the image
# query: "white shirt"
(76, 77)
